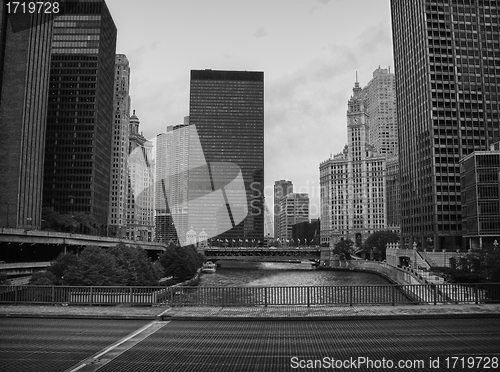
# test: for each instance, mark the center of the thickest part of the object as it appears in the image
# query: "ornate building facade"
(353, 182)
(140, 201)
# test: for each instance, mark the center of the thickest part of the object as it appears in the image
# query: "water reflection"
(277, 274)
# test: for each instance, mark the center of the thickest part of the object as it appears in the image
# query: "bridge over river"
(258, 254)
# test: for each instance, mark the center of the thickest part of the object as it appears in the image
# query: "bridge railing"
(255, 296)
(84, 295)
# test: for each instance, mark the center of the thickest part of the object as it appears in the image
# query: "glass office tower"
(447, 58)
(25, 41)
(227, 109)
(80, 112)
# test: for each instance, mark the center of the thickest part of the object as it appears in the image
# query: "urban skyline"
(309, 69)
(471, 91)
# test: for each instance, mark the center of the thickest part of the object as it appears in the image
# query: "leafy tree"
(181, 262)
(86, 223)
(344, 249)
(43, 278)
(81, 222)
(61, 264)
(94, 266)
(375, 244)
(484, 262)
(158, 268)
(53, 220)
(135, 266)
(117, 266)
(4, 279)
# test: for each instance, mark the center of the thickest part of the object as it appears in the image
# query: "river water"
(277, 274)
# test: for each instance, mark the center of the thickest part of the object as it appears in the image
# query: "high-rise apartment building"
(294, 209)
(141, 171)
(380, 102)
(162, 216)
(80, 121)
(227, 109)
(171, 187)
(25, 41)
(281, 189)
(447, 58)
(353, 182)
(119, 169)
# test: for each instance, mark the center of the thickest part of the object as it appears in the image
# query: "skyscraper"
(447, 58)
(119, 169)
(171, 185)
(380, 101)
(25, 42)
(281, 189)
(353, 182)
(227, 109)
(162, 214)
(141, 171)
(294, 209)
(80, 112)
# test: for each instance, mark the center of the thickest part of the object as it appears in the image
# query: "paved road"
(56, 344)
(239, 345)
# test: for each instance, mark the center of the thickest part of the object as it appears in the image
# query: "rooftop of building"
(480, 153)
(227, 75)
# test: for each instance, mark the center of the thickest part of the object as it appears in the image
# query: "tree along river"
(277, 274)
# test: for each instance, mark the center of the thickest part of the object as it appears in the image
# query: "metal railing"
(255, 296)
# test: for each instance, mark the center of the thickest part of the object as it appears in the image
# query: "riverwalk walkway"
(249, 313)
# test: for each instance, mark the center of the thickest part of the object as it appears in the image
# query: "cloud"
(261, 32)
(319, 3)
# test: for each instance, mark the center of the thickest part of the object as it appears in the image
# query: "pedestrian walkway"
(329, 312)
(241, 313)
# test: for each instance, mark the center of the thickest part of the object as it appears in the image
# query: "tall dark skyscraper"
(447, 58)
(227, 108)
(25, 41)
(80, 111)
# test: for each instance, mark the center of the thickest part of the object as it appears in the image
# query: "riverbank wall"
(190, 282)
(407, 278)
(392, 273)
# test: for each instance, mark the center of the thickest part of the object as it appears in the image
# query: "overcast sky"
(309, 51)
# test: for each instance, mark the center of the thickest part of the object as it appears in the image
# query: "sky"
(309, 51)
